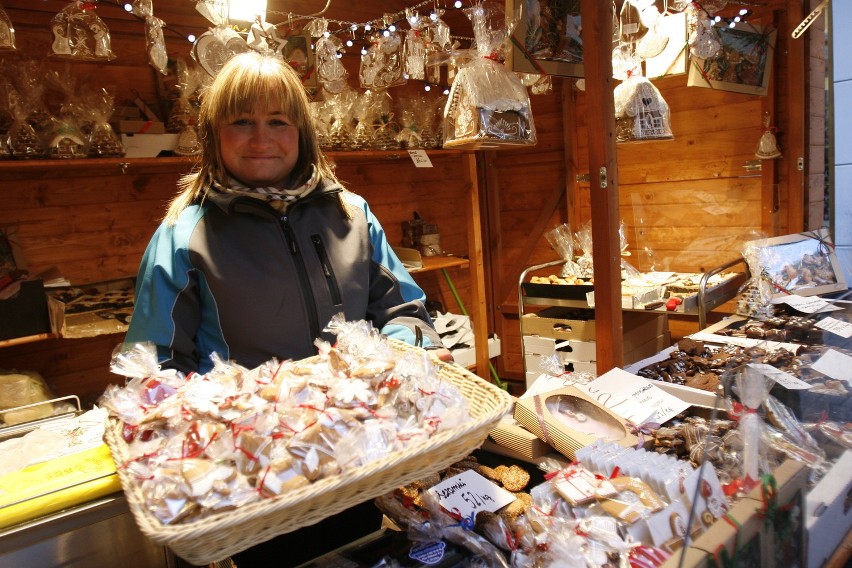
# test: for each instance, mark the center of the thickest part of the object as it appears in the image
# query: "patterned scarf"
(278, 197)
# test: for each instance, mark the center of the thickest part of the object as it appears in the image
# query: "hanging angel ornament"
(767, 149)
(7, 32)
(78, 33)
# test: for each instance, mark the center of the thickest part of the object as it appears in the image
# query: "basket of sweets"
(214, 464)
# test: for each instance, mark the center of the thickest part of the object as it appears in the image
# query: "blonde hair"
(247, 81)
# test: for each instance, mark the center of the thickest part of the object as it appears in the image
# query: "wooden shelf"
(431, 263)
(26, 339)
(125, 165)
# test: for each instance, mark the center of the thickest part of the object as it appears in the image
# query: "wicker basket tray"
(220, 535)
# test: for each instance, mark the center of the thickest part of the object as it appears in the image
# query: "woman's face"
(260, 148)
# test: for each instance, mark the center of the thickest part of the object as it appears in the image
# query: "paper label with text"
(783, 378)
(835, 326)
(420, 158)
(468, 493)
(633, 398)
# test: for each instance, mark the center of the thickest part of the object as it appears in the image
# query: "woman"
(257, 252)
(262, 246)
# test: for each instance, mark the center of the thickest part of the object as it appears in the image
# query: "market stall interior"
(591, 187)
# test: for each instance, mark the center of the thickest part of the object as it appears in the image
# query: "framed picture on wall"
(547, 38)
(803, 264)
(742, 65)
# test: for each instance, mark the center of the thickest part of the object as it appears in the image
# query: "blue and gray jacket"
(235, 277)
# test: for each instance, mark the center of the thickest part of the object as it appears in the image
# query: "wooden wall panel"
(690, 200)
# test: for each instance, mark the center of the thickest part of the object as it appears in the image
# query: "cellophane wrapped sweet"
(641, 112)
(488, 103)
(203, 443)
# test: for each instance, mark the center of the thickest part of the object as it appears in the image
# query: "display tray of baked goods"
(646, 291)
(342, 429)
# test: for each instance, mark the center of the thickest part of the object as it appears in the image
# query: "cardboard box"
(467, 357)
(561, 430)
(25, 313)
(747, 536)
(687, 558)
(141, 127)
(828, 516)
(147, 145)
(737, 536)
(571, 352)
(514, 437)
(579, 325)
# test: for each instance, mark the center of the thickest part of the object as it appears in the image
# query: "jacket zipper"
(333, 286)
(302, 271)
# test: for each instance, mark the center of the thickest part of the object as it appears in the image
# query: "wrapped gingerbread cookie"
(489, 106)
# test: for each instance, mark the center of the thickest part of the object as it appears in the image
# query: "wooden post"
(603, 172)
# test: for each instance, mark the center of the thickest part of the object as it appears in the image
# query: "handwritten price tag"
(783, 378)
(633, 398)
(468, 493)
(836, 326)
(808, 305)
(420, 158)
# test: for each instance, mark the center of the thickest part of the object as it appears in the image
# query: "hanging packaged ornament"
(415, 48)
(215, 47)
(641, 112)
(7, 32)
(625, 61)
(488, 105)
(630, 26)
(264, 38)
(214, 11)
(331, 74)
(142, 9)
(655, 41)
(702, 36)
(156, 44)
(767, 149)
(78, 33)
(381, 66)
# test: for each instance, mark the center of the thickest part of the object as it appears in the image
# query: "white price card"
(783, 378)
(806, 304)
(468, 493)
(835, 364)
(420, 158)
(836, 326)
(633, 397)
(745, 342)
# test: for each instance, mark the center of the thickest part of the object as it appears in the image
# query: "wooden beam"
(603, 170)
(797, 89)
